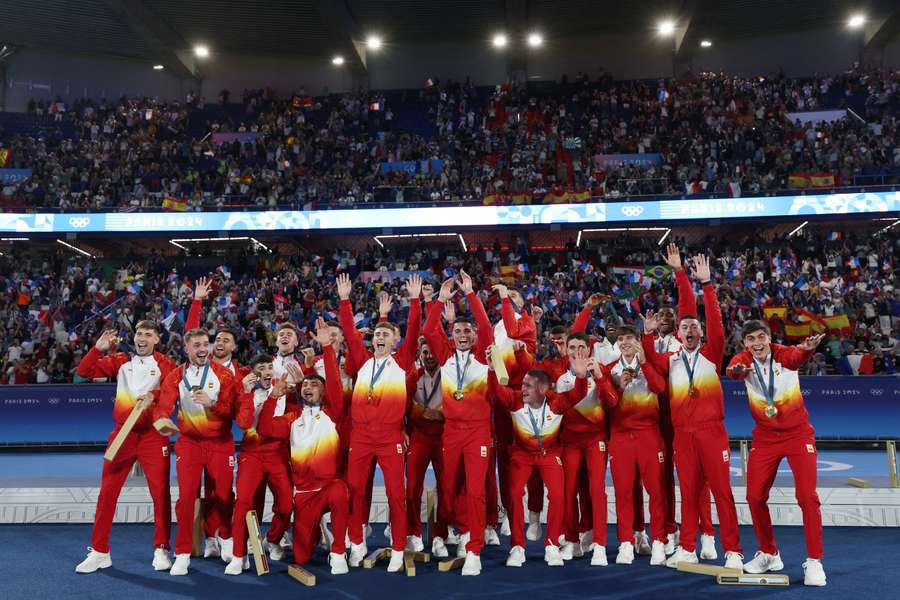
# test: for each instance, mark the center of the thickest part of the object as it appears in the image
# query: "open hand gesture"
(201, 290)
(673, 256)
(651, 321)
(465, 282)
(414, 286)
(701, 268)
(344, 286)
(812, 342)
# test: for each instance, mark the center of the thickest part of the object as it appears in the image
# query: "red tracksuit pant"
(521, 465)
(386, 448)
(309, 507)
(576, 456)
(704, 454)
(151, 450)
(466, 446)
(638, 455)
(193, 455)
(705, 509)
(423, 450)
(253, 469)
(535, 485)
(765, 456)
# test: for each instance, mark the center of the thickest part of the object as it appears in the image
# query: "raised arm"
(334, 392)
(659, 361)
(509, 399)
(433, 332)
(406, 356)
(714, 348)
(94, 365)
(794, 357)
(560, 403)
(740, 365)
(201, 292)
(687, 302)
(275, 427)
(355, 346)
(245, 405)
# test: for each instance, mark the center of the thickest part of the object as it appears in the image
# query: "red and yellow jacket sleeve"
(355, 346)
(94, 365)
(485, 329)
(406, 356)
(791, 357)
(714, 348)
(741, 358)
(275, 427)
(658, 361)
(561, 403)
(193, 318)
(434, 334)
(581, 321)
(168, 396)
(522, 329)
(687, 302)
(334, 389)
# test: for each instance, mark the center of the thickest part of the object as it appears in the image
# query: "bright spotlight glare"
(201, 51)
(666, 27)
(856, 21)
(499, 40)
(337, 60)
(535, 40)
(705, 43)
(373, 42)
(158, 67)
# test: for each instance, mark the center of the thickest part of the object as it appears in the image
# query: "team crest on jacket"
(484, 452)
(165, 451)
(231, 461)
(399, 448)
(601, 446)
(661, 456)
(725, 457)
(559, 461)
(810, 448)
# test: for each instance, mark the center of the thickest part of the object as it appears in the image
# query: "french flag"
(834, 236)
(856, 364)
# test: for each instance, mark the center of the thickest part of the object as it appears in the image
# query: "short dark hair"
(559, 330)
(753, 326)
(196, 332)
(260, 359)
(541, 375)
(685, 317)
(333, 323)
(147, 324)
(628, 330)
(227, 330)
(387, 325)
(666, 306)
(465, 319)
(579, 336)
(287, 325)
(315, 376)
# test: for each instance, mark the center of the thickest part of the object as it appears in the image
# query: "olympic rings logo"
(79, 222)
(876, 391)
(632, 211)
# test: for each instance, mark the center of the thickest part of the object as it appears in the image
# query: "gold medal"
(693, 392)
(771, 411)
(458, 395)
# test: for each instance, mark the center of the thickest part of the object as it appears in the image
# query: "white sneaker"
(641, 543)
(708, 547)
(813, 572)
(504, 526)
(387, 534)
(357, 554)
(571, 550)
(461, 547)
(626, 554)
(734, 560)
(161, 561)
(237, 565)
(338, 563)
(180, 567)
(472, 566)
(657, 553)
(534, 531)
(452, 536)
(552, 556)
(211, 548)
(681, 555)
(226, 548)
(276, 552)
(764, 563)
(414, 543)
(671, 543)
(439, 548)
(95, 560)
(587, 540)
(516, 557)
(490, 536)
(287, 540)
(396, 564)
(598, 559)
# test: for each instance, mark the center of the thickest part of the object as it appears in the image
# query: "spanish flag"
(797, 330)
(775, 311)
(822, 180)
(174, 205)
(838, 323)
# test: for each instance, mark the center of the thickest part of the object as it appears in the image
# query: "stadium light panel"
(337, 60)
(666, 27)
(76, 249)
(373, 42)
(664, 236)
(499, 40)
(705, 43)
(798, 229)
(201, 51)
(158, 67)
(535, 40)
(856, 21)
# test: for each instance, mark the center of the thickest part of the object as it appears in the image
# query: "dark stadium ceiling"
(149, 29)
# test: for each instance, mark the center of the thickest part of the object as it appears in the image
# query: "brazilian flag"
(658, 272)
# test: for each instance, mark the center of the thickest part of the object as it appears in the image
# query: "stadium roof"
(158, 30)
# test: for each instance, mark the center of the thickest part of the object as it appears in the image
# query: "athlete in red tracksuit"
(537, 414)
(701, 441)
(313, 431)
(206, 393)
(769, 372)
(378, 409)
(425, 428)
(636, 451)
(137, 381)
(467, 414)
(223, 347)
(515, 325)
(261, 459)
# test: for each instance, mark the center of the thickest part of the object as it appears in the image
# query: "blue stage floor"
(41, 558)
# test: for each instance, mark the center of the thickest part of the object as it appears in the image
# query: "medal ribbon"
(768, 390)
(690, 367)
(184, 378)
(461, 375)
(376, 375)
(434, 386)
(534, 427)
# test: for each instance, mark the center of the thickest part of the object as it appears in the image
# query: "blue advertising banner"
(14, 175)
(605, 161)
(839, 408)
(456, 216)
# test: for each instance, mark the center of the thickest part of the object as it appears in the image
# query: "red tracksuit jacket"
(195, 420)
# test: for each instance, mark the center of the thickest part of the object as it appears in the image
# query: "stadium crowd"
(52, 308)
(713, 133)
